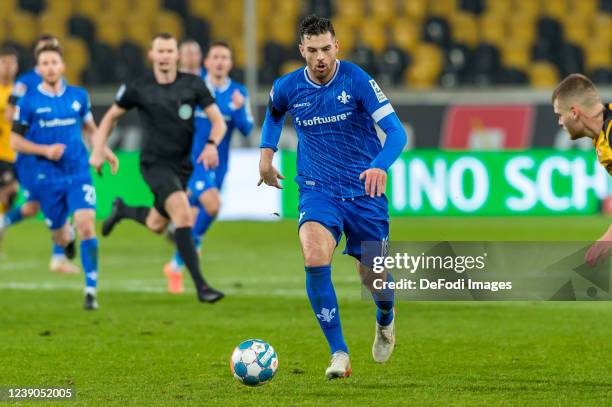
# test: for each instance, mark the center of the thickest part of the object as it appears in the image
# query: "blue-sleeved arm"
(243, 117)
(22, 117)
(275, 116)
(394, 143)
(376, 103)
(86, 107)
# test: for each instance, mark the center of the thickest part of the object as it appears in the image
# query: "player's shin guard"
(384, 300)
(187, 251)
(89, 260)
(323, 300)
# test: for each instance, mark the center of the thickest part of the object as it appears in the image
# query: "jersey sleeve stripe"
(382, 112)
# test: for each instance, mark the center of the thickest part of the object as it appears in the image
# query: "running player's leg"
(205, 196)
(320, 228)
(162, 182)
(27, 182)
(177, 206)
(367, 220)
(205, 212)
(82, 204)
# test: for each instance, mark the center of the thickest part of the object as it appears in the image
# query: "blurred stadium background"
(419, 44)
(469, 78)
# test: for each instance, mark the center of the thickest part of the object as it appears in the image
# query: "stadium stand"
(416, 43)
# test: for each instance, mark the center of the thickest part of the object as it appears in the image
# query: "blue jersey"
(52, 119)
(334, 122)
(241, 119)
(24, 82)
(28, 80)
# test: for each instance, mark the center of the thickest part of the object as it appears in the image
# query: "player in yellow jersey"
(8, 182)
(581, 112)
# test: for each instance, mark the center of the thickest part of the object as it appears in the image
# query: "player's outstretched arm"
(270, 135)
(100, 150)
(210, 155)
(242, 112)
(89, 130)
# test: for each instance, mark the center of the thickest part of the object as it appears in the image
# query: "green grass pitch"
(146, 347)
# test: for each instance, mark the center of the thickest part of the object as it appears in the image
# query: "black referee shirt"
(166, 114)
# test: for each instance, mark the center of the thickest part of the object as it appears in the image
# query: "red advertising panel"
(483, 127)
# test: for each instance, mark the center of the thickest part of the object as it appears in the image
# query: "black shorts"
(165, 179)
(7, 173)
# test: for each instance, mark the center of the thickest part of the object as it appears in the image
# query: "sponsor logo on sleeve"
(378, 91)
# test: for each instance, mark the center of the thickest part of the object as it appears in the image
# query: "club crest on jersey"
(344, 97)
(185, 112)
(76, 106)
(378, 91)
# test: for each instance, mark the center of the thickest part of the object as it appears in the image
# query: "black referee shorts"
(7, 173)
(164, 179)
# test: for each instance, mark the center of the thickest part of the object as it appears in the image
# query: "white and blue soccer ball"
(254, 362)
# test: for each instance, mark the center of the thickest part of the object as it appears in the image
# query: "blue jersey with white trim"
(52, 119)
(240, 118)
(334, 122)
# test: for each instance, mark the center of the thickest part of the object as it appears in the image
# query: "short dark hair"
(163, 36)
(218, 43)
(6, 50)
(315, 25)
(49, 48)
(576, 88)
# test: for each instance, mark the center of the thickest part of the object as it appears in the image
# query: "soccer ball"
(254, 362)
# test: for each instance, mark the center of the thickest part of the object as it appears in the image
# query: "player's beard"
(52, 82)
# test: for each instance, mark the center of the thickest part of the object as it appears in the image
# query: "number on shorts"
(90, 194)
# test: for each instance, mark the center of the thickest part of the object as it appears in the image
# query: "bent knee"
(316, 256)
(156, 226)
(86, 229)
(211, 202)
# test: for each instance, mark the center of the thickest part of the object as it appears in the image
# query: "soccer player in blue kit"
(341, 167)
(232, 99)
(54, 115)
(25, 170)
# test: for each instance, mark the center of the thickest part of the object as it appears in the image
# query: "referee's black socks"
(187, 250)
(136, 213)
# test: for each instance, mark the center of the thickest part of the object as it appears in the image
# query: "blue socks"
(13, 216)
(323, 300)
(89, 260)
(203, 222)
(384, 301)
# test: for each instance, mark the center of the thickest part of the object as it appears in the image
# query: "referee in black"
(166, 100)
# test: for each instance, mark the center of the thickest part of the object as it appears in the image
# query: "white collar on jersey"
(328, 82)
(52, 95)
(220, 89)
